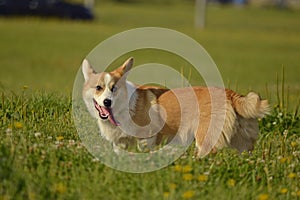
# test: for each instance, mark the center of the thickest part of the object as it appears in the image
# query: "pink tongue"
(111, 118)
(104, 112)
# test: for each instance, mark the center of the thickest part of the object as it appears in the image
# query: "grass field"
(42, 157)
(246, 44)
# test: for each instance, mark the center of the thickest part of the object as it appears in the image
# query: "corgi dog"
(145, 116)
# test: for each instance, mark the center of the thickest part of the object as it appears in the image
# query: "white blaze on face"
(107, 93)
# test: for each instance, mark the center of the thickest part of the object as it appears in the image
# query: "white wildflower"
(37, 134)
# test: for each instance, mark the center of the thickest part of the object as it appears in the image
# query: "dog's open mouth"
(105, 113)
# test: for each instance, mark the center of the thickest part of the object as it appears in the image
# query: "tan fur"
(234, 116)
(249, 106)
(240, 129)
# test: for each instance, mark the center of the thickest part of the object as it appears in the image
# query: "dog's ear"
(87, 69)
(127, 65)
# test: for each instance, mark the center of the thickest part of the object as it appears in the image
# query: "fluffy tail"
(250, 106)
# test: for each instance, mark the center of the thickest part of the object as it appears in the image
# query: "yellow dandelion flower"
(25, 87)
(283, 191)
(31, 195)
(283, 160)
(59, 138)
(292, 175)
(60, 188)
(187, 168)
(231, 182)
(5, 197)
(293, 143)
(178, 168)
(298, 193)
(188, 194)
(172, 186)
(166, 195)
(18, 125)
(202, 178)
(263, 197)
(187, 177)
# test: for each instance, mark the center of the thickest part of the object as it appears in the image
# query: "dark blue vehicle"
(46, 8)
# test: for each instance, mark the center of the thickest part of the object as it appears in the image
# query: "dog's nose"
(107, 102)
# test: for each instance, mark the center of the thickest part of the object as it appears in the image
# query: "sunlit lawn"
(41, 154)
(249, 45)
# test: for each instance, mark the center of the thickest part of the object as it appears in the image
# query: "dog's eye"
(98, 88)
(113, 88)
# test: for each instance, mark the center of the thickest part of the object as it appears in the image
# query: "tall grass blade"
(236, 85)
(228, 83)
(282, 90)
(277, 90)
(190, 75)
(267, 91)
(296, 109)
(182, 76)
(287, 100)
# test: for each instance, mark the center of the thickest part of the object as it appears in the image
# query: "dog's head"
(102, 91)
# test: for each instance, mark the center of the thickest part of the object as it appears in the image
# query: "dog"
(146, 116)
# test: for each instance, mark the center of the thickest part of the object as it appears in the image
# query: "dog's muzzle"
(105, 112)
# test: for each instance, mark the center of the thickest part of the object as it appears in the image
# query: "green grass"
(42, 157)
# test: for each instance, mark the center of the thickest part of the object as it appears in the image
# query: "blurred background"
(43, 42)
